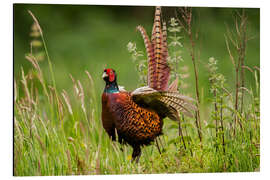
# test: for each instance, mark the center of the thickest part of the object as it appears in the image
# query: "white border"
(205, 3)
(6, 80)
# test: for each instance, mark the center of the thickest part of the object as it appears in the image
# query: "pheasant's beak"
(104, 75)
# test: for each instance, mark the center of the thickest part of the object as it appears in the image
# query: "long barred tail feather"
(164, 45)
(161, 66)
(150, 55)
(164, 80)
(157, 53)
(157, 45)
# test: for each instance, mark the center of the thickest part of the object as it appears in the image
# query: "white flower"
(131, 47)
(173, 22)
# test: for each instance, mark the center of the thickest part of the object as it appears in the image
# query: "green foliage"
(140, 64)
(175, 56)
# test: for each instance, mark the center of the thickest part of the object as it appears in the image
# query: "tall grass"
(59, 131)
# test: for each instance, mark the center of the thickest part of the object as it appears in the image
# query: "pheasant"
(137, 116)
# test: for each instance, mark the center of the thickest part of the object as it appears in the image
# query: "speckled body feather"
(134, 124)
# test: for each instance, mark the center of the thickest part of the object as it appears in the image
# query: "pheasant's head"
(109, 76)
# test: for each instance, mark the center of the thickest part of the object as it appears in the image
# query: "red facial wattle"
(110, 74)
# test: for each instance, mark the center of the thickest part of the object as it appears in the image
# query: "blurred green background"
(89, 37)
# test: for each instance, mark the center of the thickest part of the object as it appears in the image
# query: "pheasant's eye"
(105, 70)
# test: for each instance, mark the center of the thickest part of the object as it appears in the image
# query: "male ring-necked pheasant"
(137, 116)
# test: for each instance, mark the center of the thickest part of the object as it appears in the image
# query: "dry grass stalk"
(45, 47)
(229, 50)
(36, 21)
(81, 166)
(67, 101)
(32, 117)
(242, 34)
(216, 114)
(18, 132)
(98, 161)
(75, 87)
(79, 93)
(35, 64)
(186, 14)
(90, 78)
(39, 168)
(51, 95)
(69, 162)
(257, 68)
(82, 129)
(180, 132)
(248, 68)
(81, 96)
(26, 89)
(60, 107)
(42, 145)
(239, 41)
(222, 125)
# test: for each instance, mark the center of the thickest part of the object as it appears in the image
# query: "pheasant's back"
(134, 124)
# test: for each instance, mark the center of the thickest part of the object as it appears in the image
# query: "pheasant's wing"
(163, 102)
(157, 53)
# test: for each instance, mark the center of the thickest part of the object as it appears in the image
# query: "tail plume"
(157, 52)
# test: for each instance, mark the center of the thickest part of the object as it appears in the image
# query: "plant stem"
(181, 133)
(236, 97)
(242, 55)
(221, 122)
(216, 118)
(197, 88)
(187, 17)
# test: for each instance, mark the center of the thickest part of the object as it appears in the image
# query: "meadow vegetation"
(58, 131)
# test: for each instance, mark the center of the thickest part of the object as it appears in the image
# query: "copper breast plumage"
(134, 124)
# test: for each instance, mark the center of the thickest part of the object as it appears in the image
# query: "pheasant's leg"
(111, 133)
(158, 146)
(136, 153)
(138, 157)
(121, 147)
